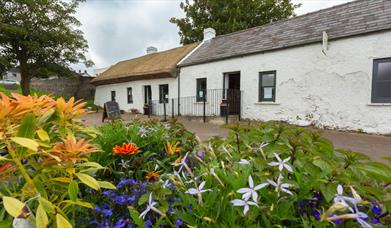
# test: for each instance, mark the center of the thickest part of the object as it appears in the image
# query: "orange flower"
(71, 150)
(126, 149)
(172, 148)
(152, 176)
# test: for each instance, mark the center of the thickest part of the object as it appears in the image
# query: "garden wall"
(78, 87)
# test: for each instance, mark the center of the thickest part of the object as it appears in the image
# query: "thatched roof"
(151, 66)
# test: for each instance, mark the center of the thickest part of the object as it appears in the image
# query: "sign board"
(111, 111)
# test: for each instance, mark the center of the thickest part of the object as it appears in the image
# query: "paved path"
(375, 146)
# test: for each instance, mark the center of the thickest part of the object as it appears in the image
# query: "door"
(147, 94)
(233, 93)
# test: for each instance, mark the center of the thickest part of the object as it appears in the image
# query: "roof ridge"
(288, 19)
(159, 52)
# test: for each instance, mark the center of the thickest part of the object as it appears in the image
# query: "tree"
(228, 16)
(40, 36)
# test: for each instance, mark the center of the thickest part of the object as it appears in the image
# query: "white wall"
(103, 92)
(332, 90)
(12, 75)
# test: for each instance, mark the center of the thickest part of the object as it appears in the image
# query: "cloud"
(122, 29)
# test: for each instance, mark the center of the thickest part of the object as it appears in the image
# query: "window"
(381, 81)
(163, 93)
(267, 86)
(130, 95)
(112, 95)
(201, 89)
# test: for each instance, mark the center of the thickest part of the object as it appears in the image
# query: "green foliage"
(317, 170)
(41, 37)
(228, 16)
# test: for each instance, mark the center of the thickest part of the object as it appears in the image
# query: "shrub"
(44, 159)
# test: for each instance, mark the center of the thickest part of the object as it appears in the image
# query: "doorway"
(147, 94)
(232, 92)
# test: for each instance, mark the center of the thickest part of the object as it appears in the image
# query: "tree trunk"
(25, 79)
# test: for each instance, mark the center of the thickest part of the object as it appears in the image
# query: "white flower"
(243, 203)
(244, 162)
(150, 206)
(142, 132)
(339, 198)
(124, 164)
(182, 163)
(198, 190)
(281, 163)
(279, 186)
(251, 191)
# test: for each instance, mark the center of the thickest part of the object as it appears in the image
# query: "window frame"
(129, 96)
(163, 99)
(374, 97)
(260, 86)
(198, 84)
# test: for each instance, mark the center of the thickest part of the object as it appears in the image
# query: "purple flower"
(121, 200)
(178, 223)
(374, 221)
(131, 199)
(97, 208)
(107, 212)
(316, 215)
(148, 223)
(376, 210)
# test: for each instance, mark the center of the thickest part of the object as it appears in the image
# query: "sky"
(122, 29)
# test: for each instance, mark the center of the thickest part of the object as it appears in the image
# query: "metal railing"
(216, 102)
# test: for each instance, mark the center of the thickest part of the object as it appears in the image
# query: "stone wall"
(78, 87)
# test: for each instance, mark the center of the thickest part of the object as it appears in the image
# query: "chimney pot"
(151, 50)
(209, 33)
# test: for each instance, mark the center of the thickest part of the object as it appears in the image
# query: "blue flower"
(121, 200)
(131, 199)
(316, 215)
(107, 212)
(374, 221)
(148, 223)
(376, 210)
(178, 223)
(97, 208)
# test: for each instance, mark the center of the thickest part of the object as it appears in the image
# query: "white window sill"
(266, 103)
(379, 104)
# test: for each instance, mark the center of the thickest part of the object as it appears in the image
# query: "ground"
(375, 146)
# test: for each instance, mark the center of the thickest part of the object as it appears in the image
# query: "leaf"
(61, 179)
(14, 207)
(27, 127)
(106, 184)
(62, 222)
(25, 142)
(323, 165)
(328, 191)
(136, 217)
(73, 190)
(46, 205)
(42, 220)
(43, 135)
(88, 180)
(79, 202)
(91, 164)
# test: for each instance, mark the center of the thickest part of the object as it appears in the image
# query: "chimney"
(151, 50)
(209, 34)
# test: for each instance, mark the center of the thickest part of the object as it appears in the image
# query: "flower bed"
(262, 175)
